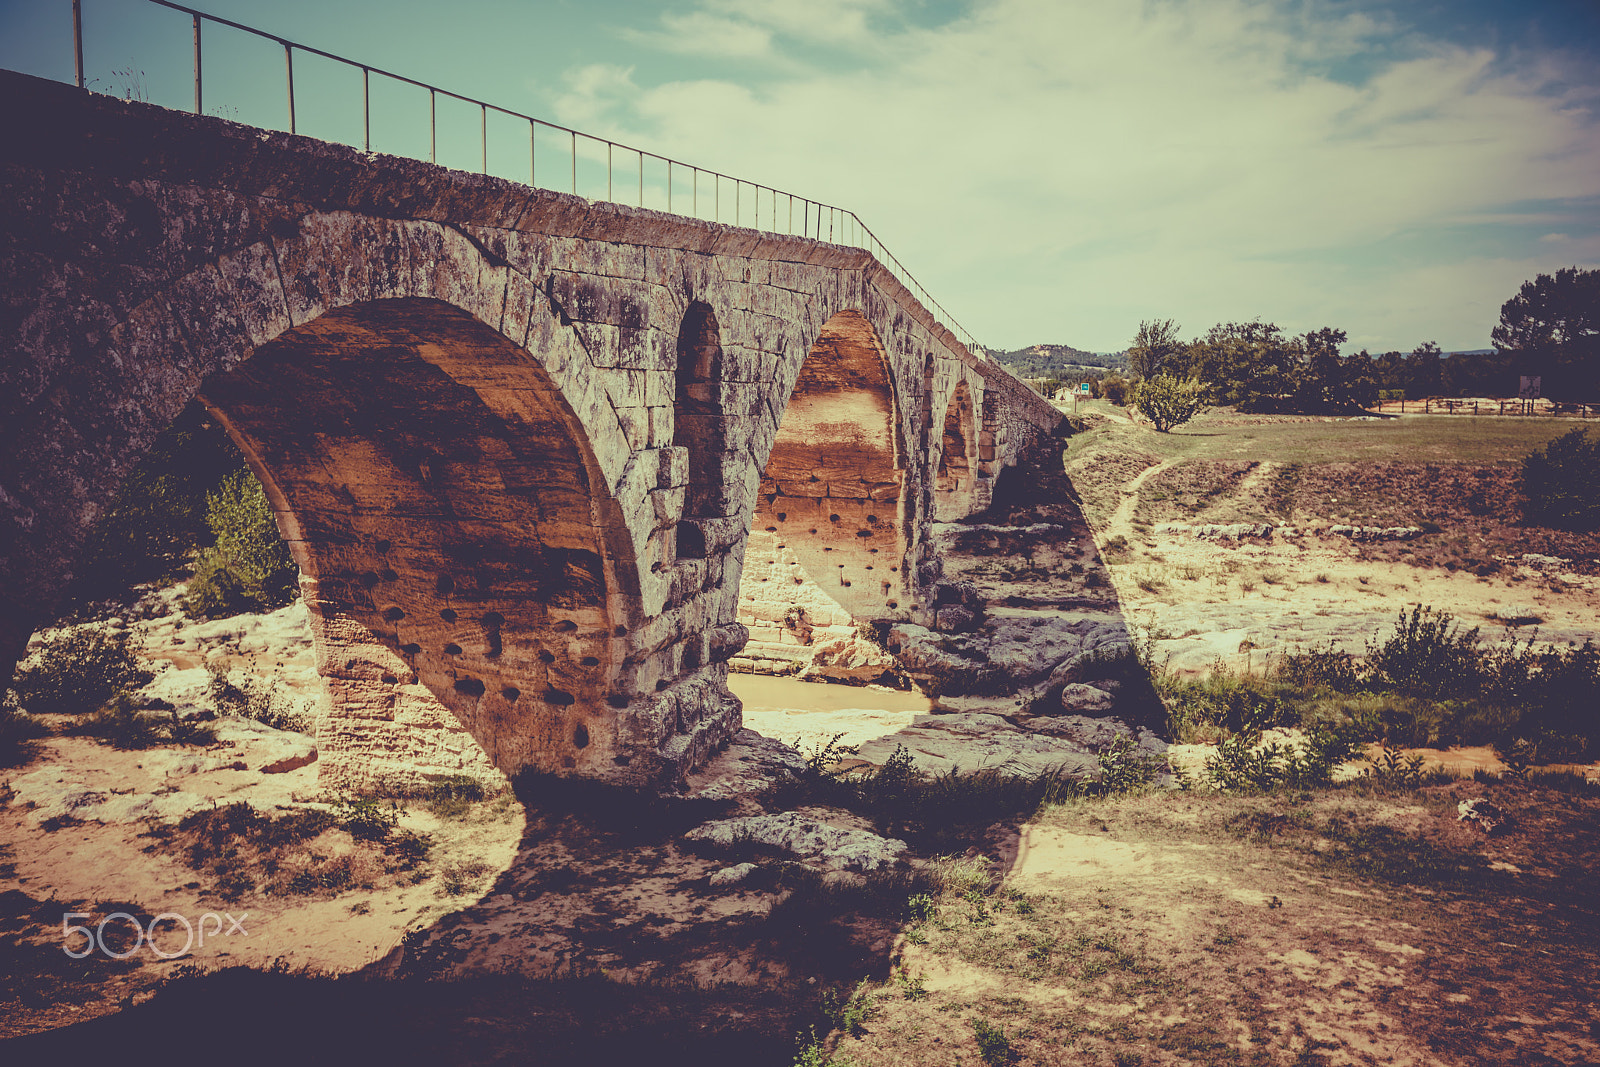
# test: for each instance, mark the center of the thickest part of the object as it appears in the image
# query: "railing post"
(609, 147)
(694, 191)
(716, 197)
(641, 178)
(669, 186)
(366, 112)
(533, 157)
(574, 162)
(288, 66)
(483, 134)
(77, 39)
(433, 126)
(197, 97)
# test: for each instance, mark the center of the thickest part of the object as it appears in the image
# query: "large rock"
(265, 749)
(749, 764)
(939, 744)
(805, 838)
(849, 660)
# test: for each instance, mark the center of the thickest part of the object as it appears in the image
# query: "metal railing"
(816, 220)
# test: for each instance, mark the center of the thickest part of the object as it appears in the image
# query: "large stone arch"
(828, 543)
(453, 536)
(523, 637)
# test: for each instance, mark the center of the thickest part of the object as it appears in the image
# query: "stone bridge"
(545, 463)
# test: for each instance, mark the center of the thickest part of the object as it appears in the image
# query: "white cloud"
(1053, 172)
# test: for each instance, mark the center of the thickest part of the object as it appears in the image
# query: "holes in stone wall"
(617, 700)
(580, 736)
(471, 687)
(390, 679)
(565, 626)
(368, 580)
(447, 615)
(493, 620)
(383, 547)
(411, 650)
(452, 649)
(511, 693)
(590, 661)
(445, 585)
(393, 615)
(558, 697)
(388, 575)
(546, 656)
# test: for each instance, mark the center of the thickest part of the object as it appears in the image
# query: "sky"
(1052, 172)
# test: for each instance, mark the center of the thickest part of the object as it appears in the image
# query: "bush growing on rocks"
(249, 568)
(78, 671)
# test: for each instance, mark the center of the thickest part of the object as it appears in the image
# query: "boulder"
(805, 838)
(748, 765)
(974, 741)
(731, 875)
(265, 749)
(1080, 696)
(849, 660)
(1482, 814)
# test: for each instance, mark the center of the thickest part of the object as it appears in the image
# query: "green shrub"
(121, 725)
(367, 818)
(78, 671)
(249, 568)
(1168, 401)
(1114, 388)
(1561, 483)
(1427, 656)
(1242, 763)
(994, 1047)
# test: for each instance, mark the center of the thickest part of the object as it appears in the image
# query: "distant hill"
(1051, 361)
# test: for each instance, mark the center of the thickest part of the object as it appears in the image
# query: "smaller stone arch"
(828, 543)
(956, 471)
(696, 427)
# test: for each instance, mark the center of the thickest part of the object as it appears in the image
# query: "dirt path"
(1121, 521)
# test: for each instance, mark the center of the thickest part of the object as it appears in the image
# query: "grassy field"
(1343, 925)
(1413, 438)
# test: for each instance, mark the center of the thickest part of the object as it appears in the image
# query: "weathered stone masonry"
(516, 439)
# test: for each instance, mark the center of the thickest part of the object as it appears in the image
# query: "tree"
(1319, 382)
(1426, 371)
(1562, 482)
(1156, 349)
(1250, 364)
(1168, 401)
(1552, 328)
